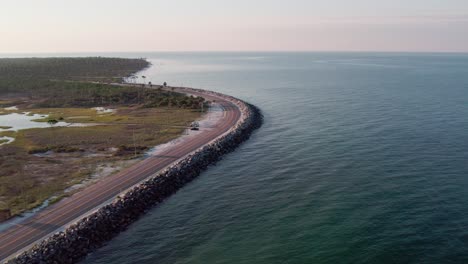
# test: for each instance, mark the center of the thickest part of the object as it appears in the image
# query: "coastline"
(208, 119)
(90, 232)
(45, 160)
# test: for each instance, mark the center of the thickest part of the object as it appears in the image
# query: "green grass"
(61, 88)
(27, 180)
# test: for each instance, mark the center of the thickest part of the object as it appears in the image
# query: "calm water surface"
(363, 158)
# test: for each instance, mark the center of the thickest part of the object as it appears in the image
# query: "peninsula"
(63, 125)
(89, 216)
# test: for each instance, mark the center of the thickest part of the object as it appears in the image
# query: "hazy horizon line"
(235, 51)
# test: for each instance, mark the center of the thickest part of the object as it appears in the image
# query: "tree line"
(86, 69)
(81, 82)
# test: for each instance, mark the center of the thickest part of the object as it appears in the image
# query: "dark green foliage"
(75, 94)
(66, 82)
(52, 122)
(84, 69)
(38, 75)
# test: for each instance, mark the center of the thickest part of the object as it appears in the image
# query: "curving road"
(56, 217)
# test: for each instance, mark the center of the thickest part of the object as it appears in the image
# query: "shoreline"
(206, 119)
(94, 229)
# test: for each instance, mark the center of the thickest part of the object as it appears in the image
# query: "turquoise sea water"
(363, 158)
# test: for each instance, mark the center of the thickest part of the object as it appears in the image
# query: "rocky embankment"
(91, 232)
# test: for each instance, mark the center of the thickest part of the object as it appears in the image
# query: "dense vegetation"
(79, 94)
(87, 69)
(42, 163)
(73, 82)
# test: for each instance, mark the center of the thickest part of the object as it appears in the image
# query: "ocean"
(363, 158)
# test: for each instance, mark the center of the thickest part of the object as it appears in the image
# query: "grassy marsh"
(43, 162)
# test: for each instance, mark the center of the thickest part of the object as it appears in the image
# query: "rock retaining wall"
(91, 232)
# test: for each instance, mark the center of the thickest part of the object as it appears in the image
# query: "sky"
(237, 25)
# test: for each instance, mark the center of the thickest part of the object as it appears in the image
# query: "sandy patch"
(11, 108)
(209, 121)
(8, 140)
(103, 110)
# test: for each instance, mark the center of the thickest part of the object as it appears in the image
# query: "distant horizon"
(238, 51)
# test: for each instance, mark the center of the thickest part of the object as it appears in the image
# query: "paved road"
(23, 235)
